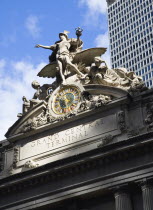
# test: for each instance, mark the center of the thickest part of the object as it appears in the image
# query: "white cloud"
(95, 8)
(2, 67)
(2, 63)
(102, 40)
(31, 24)
(14, 85)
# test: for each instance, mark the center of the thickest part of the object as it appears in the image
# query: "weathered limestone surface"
(80, 139)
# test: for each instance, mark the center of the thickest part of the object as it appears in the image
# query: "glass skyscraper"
(131, 36)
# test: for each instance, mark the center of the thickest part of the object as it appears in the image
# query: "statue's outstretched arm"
(52, 47)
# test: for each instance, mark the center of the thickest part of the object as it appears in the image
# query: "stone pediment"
(44, 114)
(23, 123)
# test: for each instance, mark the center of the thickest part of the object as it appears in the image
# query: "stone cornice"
(79, 164)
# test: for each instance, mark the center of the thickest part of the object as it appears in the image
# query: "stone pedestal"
(122, 201)
(147, 193)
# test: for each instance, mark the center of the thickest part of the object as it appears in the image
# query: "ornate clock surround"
(64, 100)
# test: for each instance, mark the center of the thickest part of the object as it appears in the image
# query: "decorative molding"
(146, 182)
(16, 156)
(133, 132)
(121, 120)
(88, 103)
(56, 173)
(137, 88)
(1, 161)
(123, 201)
(12, 168)
(147, 194)
(3, 148)
(105, 140)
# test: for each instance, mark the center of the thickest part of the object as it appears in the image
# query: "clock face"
(66, 100)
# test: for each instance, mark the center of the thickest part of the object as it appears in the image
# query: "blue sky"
(25, 23)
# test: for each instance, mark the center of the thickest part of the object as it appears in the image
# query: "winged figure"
(68, 53)
(85, 56)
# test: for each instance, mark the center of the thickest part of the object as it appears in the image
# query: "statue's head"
(130, 74)
(98, 61)
(63, 34)
(35, 84)
(23, 98)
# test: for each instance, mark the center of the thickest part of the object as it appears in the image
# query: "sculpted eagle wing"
(87, 56)
(48, 71)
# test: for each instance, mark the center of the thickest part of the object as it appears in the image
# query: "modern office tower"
(131, 36)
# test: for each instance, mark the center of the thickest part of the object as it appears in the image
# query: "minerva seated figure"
(99, 73)
(63, 53)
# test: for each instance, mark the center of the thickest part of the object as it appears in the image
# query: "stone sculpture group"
(83, 82)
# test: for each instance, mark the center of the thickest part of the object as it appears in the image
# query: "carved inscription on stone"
(69, 137)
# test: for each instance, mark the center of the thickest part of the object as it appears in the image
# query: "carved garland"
(121, 120)
(15, 159)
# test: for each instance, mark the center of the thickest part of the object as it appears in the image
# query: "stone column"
(122, 200)
(147, 194)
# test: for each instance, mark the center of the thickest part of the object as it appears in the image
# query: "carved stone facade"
(83, 142)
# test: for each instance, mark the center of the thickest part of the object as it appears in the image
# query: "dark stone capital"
(122, 199)
(147, 194)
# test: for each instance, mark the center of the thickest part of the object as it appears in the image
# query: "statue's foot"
(63, 83)
(83, 76)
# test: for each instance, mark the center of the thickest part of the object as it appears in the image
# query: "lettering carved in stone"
(69, 137)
